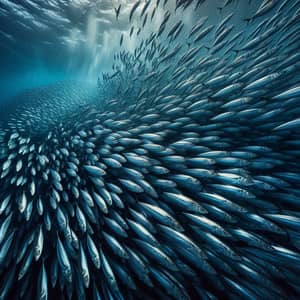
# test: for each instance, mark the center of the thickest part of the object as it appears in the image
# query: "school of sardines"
(180, 180)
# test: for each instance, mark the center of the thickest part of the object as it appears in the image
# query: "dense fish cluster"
(48, 107)
(183, 184)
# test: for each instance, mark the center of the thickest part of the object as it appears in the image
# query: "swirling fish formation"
(183, 185)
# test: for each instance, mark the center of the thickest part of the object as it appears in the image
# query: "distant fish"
(133, 9)
(117, 11)
(131, 31)
(264, 8)
(146, 5)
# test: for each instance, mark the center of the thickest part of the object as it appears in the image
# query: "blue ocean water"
(149, 149)
(47, 41)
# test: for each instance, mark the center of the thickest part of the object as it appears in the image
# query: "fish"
(264, 8)
(292, 92)
(133, 9)
(117, 11)
(146, 5)
(176, 178)
(43, 284)
(174, 28)
(294, 124)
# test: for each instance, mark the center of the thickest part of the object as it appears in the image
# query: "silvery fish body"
(177, 178)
